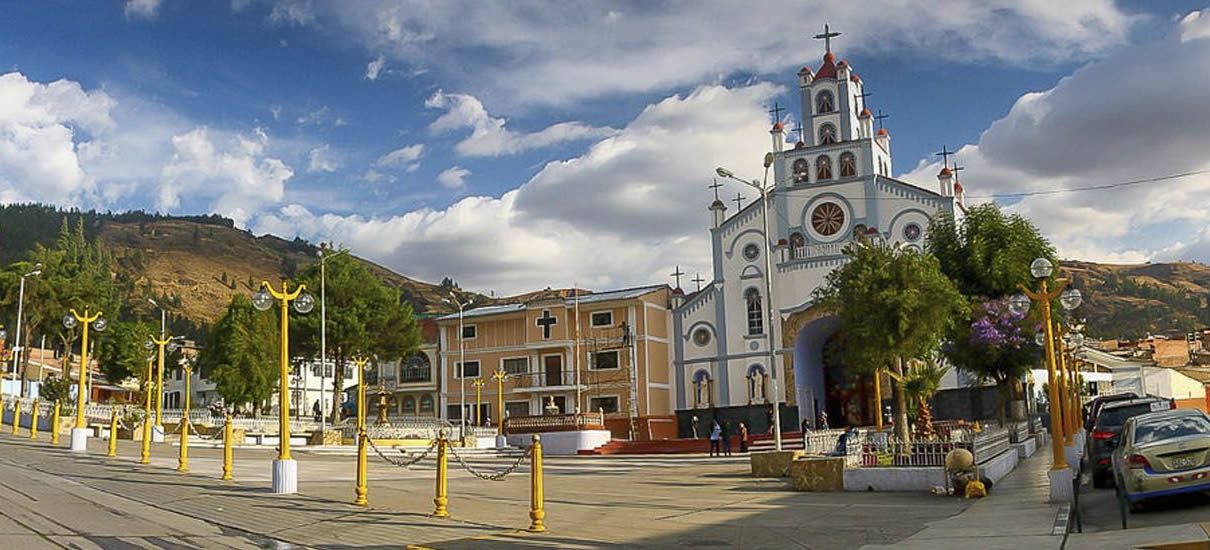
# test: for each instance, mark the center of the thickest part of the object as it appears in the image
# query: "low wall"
(999, 467)
(921, 478)
(562, 443)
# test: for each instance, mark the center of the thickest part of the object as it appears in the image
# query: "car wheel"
(1136, 506)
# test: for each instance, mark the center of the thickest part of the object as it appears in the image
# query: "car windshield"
(1114, 417)
(1170, 429)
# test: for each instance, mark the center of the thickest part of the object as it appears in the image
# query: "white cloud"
(622, 213)
(322, 160)
(406, 157)
(146, 9)
(489, 137)
(1195, 25)
(453, 177)
(374, 68)
(1138, 114)
(573, 52)
(233, 172)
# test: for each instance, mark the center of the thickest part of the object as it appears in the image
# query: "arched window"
(827, 134)
(426, 404)
(797, 245)
(756, 313)
(848, 165)
(801, 168)
(825, 102)
(409, 405)
(416, 368)
(823, 168)
(702, 388)
(756, 382)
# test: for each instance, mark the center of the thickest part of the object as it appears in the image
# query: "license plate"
(1184, 462)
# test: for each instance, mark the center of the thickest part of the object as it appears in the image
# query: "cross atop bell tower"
(826, 36)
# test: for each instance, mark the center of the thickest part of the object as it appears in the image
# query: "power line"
(1092, 187)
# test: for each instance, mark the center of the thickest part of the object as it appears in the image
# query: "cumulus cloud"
(1135, 115)
(233, 172)
(573, 52)
(489, 137)
(406, 157)
(374, 68)
(623, 213)
(146, 9)
(453, 177)
(322, 160)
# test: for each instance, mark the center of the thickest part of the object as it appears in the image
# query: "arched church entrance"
(822, 382)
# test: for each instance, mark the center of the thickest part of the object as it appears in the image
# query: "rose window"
(827, 219)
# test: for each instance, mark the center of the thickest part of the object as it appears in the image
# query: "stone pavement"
(591, 502)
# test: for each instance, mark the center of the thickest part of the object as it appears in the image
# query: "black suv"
(1108, 426)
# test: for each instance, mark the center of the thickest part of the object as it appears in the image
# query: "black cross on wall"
(699, 280)
(739, 201)
(546, 321)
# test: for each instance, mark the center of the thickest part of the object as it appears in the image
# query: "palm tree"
(920, 381)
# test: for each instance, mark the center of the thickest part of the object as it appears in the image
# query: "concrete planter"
(773, 463)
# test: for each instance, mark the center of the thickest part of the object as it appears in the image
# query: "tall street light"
(765, 192)
(453, 299)
(285, 469)
(17, 348)
(1019, 304)
(169, 343)
(79, 434)
(324, 255)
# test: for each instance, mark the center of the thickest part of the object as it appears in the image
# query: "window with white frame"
(470, 370)
(602, 319)
(756, 313)
(469, 332)
(607, 404)
(516, 408)
(516, 365)
(604, 360)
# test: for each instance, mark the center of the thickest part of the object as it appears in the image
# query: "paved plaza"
(54, 499)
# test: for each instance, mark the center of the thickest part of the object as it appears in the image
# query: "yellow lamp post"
(183, 459)
(227, 441)
(1041, 268)
(285, 469)
(1061, 375)
(152, 342)
(499, 375)
(145, 458)
(54, 425)
(360, 490)
(79, 434)
(478, 384)
(113, 432)
(33, 421)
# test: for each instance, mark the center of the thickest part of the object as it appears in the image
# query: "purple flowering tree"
(997, 346)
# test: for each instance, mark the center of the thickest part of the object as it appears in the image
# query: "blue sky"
(521, 145)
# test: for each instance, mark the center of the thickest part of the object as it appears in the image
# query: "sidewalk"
(1014, 515)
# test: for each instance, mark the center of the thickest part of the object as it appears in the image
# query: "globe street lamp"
(285, 469)
(1041, 268)
(79, 434)
(163, 343)
(453, 299)
(17, 348)
(765, 192)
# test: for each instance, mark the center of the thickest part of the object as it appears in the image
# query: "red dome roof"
(781, 242)
(855, 78)
(778, 127)
(945, 172)
(882, 131)
(957, 187)
(804, 70)
(678, 291)
(799, 145)
(718, 204)
(843, 63)
(866, 112)
(828, 69)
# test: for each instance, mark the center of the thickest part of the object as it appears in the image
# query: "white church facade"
(831, 187)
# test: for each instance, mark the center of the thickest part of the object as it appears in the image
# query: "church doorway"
(823, 383)
(850, 395)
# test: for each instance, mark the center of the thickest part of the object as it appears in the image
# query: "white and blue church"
(831, 187)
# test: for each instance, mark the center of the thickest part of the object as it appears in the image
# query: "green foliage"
(920, 380)
(364, 317)
(121, 353)
(988, 254)
(241, 354)
(55, 388)
(891, 304)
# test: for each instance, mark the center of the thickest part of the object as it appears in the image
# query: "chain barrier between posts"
(497, 476)
(401, 463)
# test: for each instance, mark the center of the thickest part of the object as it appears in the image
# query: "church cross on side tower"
(833, 186)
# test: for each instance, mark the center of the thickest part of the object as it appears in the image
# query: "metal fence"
(823, 442)
(881, 449)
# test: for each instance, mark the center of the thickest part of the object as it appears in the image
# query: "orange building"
(617, 355)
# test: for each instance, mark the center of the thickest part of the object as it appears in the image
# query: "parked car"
(1163, 453)
(1099, 446)
(1093, 407)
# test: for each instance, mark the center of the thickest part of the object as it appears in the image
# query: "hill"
(1131, 301)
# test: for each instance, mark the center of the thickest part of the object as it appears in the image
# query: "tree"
(241, 354)
(55, 389)
(892, 305)
(987, 255)
(920, 383)
(364, 317)
(121, 353)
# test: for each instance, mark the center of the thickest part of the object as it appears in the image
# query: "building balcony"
(552, 380)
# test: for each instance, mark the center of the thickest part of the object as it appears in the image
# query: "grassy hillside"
(1130, 301)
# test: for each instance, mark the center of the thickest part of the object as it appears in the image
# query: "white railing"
(823, 442)
(402, 428)
(817, 250)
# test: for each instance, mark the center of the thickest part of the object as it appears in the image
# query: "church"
(831, 187)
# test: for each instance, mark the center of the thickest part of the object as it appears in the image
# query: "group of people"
(720, 438)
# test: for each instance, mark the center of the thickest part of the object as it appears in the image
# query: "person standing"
(743, 438)
(823, 420)
(694, 426)
(726, 438)
(716, 432)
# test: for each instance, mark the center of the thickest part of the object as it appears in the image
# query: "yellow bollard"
(113, 433)
(183, 460)
(54, 425)
(145, 457)
(442, 499)
(536, 514)
(360, 490)
(16, 416)
(33, 422)
(227, 449)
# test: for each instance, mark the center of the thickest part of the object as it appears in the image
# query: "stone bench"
(773, 463)
(823, 473)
